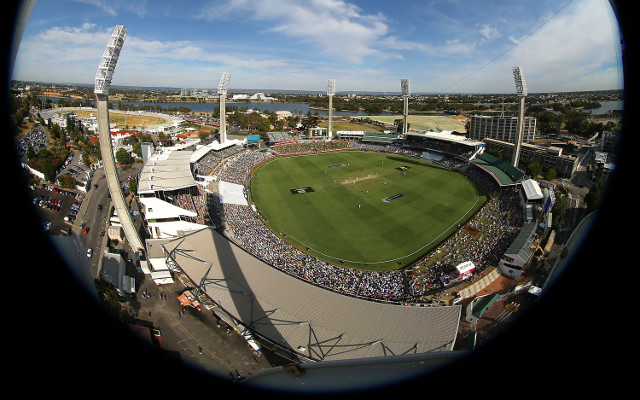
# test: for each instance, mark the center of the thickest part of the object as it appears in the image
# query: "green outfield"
(365, 210)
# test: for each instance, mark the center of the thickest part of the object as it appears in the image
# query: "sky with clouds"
(441, 46)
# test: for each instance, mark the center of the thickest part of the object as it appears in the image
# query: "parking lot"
(56, 207)
(74, 167)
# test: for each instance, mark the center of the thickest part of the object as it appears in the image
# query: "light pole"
(222, 92)
(331, 90)
(521, 90)
(101, 90)
(406, 92)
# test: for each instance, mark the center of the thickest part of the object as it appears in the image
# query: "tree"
(137, 149)
(123, 156)
(399, 123)
(263, 125)
(559, 210)
(549, 123)
(550, 174)
(133, 187)
(67, 181)
(534, 169)
(595, 194)
(203, 134)
(48, 170)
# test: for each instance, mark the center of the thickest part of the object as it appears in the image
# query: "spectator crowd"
(496, 225)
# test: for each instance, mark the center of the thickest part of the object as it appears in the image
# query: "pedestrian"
(149, 315)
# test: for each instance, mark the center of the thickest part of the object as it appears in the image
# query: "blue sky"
(442, 46)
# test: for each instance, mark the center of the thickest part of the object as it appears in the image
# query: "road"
(188, 333)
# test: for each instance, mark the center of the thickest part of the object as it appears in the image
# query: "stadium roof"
(447, 136)
(159, 209)
(532, 189)
(502, 171)
(311, 321)
(380, 137)
(166, 171)
(215, 146)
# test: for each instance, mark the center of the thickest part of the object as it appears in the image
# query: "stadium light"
(109, 60)
(224, 83)
(406, 92)
(521, 89)
(331, 87)
(331, 90)
(404, 85)
(521, 85)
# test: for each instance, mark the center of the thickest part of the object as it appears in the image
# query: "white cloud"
(334, 27)
(488, 33)
(114, 7)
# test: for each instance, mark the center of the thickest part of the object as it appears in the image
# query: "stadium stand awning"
(166, 171)
(213, 146)
(314, 322)
(155, 208)
(504, 173)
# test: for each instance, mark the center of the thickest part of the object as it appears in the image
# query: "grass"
(344, 220)
(121, 119)
(426, 122)
(351, 126)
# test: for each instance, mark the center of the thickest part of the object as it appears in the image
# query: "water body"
(607, 106)
(297, 108)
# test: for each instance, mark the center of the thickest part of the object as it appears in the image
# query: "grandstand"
(314, 323)
(326, 312)
(443, 142)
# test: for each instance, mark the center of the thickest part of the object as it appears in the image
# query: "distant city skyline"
(367, 46)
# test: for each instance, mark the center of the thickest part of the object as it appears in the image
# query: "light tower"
(101, 90)
(331, 90)
(222, 92)
(521, 90)
(406, 92)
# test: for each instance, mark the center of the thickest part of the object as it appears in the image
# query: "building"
(169, 194)
(350, 135)
(501, 128)
(609, 142)
(114, 271)
(517, 256)
(549, 157)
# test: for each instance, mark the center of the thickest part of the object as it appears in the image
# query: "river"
(297, 108)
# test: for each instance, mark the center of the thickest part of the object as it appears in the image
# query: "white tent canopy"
(532, 190)
(232, 193)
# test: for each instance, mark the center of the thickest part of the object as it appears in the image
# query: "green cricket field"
(363, 209)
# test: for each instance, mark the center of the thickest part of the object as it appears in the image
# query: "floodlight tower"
(331, 90)
(222, 92)
(101, 90)
(521, 90)
(406, 92)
